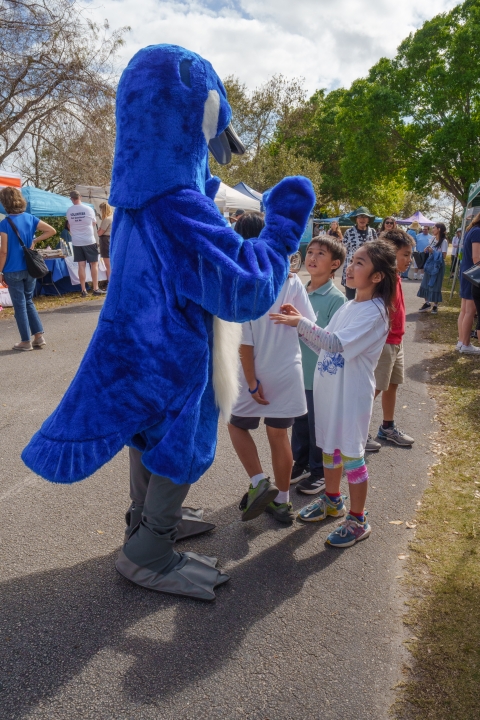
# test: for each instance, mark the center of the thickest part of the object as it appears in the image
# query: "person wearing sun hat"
(354, 238)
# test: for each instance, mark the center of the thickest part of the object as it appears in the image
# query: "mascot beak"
(225, 144)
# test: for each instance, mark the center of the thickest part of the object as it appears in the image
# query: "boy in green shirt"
(324, 256)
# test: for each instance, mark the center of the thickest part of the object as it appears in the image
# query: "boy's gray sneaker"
(395, 435)
(282, 512)
(256, 499)
(372, 445)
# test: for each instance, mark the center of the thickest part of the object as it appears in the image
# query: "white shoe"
(470, 350)
(415, 276)
(458, 346)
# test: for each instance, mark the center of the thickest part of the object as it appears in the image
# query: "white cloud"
(328, 42)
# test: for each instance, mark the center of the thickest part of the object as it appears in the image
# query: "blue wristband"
(252, 392)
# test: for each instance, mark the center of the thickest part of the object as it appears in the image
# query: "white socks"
(282, 497)
(256, 479)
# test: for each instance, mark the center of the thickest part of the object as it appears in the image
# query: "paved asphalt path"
(300, 631)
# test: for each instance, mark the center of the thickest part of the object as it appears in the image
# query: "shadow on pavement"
(55, 622)
(88, 307)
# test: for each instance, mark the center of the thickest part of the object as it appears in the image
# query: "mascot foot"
(195, 576)
(191, 524)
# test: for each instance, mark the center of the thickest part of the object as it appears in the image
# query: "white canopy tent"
(227, 200)
(94, 195)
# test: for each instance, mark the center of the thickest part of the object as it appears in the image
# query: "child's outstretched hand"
(288, 315)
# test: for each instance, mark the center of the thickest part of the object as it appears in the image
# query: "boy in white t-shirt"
(81, 221)
(271, 386)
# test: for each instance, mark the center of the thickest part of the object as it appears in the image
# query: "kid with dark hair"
(249, 224)
(389, 373)
(323, 257)
(271, 386)
(343, 391)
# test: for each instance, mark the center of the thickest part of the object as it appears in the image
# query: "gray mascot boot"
(148, 558)
(191, 524)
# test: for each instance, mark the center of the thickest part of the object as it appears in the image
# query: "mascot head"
(171, 108)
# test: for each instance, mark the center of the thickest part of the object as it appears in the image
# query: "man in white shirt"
(81, 221)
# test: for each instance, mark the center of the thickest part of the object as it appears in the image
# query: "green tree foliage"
(418, 115)
(57, 89)
(257, 115)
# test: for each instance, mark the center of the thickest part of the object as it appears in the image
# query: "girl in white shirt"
(344, 385)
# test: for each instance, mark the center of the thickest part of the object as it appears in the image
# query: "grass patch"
(444, 565)
(51, 302)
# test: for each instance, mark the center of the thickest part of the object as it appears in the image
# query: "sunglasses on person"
(389, 222)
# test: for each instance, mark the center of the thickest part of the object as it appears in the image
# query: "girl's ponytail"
(384, 260)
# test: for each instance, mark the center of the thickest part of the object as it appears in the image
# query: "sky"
(329, 43)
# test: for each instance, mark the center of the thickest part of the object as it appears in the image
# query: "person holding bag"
(13, 265)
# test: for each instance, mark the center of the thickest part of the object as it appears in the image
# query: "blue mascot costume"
(162, 365)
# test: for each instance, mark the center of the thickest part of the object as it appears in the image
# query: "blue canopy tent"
(45, 204)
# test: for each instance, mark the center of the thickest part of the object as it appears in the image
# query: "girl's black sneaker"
(311, 485)
(298, 473)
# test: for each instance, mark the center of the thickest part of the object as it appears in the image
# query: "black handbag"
(420, 259)
(36, 266)
(473, 275)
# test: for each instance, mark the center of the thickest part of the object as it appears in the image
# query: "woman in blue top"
(13, 268)
(468, 292)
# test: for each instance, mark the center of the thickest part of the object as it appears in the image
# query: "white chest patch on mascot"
(227, 337)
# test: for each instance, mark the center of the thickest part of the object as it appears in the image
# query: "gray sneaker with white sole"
(395, 435)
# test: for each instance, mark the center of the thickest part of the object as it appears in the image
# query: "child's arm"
(315, 337)
(248, 367)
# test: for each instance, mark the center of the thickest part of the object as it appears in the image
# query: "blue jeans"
(304, 448)
(21, 287)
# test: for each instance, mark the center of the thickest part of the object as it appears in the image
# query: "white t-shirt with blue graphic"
(344, 383)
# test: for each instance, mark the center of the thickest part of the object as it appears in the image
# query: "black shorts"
(104, 246)
(252, 423)
(85, 253)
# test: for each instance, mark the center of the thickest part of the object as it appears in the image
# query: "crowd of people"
(346, 354)
(314, 364)
(18, 230)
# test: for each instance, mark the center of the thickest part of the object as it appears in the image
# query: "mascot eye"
(211, 112)
(185, 73)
